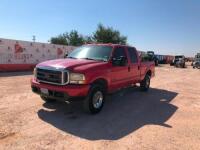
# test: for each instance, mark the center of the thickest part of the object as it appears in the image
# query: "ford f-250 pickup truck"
(89, 73)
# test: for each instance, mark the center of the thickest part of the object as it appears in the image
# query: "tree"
(108, 35)
(88, 39)
(60, 39)
(102, 35)
(75, 39)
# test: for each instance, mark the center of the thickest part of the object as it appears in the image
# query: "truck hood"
(71, 64)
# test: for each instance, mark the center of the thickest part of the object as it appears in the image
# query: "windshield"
(93, 52)
(177, 57)
(150, 53)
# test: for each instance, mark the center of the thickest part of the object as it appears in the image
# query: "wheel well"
(149, 73)
(102, 82)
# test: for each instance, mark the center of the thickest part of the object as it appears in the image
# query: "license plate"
(44, 91)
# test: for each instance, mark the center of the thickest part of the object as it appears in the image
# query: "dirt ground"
(166, 117)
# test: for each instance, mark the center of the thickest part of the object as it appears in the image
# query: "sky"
(164, 26)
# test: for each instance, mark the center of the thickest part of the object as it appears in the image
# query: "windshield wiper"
(89, 58)
(71, 57)
(94, 59)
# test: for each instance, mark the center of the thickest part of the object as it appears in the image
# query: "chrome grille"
(52, 76)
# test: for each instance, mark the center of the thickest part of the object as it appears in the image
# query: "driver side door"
(119, 73)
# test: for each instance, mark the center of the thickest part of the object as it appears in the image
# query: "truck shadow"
(123, 113)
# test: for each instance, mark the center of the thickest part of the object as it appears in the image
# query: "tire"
(156, 62)
(46, 99)
(145, 84)
(183, 65)
(95, 100)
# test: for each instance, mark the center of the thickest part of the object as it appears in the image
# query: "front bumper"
(61, 92)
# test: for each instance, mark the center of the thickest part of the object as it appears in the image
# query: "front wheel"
(46, 99)
(145, 84)
(95, 100)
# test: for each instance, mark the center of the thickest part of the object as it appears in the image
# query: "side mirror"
(66, 54)
(121, 61)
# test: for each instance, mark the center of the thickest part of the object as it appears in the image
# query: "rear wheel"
(145, 84)
(183, 66)
(46, 99)
(95, 100)
(156, 62)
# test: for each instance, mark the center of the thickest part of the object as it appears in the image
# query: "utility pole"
(34, 38)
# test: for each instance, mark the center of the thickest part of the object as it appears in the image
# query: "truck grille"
(52, 76)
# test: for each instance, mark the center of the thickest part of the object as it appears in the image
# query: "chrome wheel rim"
(97, 99)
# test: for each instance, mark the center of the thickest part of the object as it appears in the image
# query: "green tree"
(60, 39)
(108, 35)
(75, 39)
(88, 39)
(101, 35)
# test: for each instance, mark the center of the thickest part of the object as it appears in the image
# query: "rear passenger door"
(134, 65)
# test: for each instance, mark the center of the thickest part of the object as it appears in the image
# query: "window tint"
(132, 54)
(119, 52)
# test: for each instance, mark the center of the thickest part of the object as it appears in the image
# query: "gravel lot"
(166, 117)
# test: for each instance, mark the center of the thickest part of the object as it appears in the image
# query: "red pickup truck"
(90, 72)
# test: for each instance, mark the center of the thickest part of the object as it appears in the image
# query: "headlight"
(76, 78)
(35, 72)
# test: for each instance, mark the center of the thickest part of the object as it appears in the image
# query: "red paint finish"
(71, 90)
(16, 67)
(18, 48)
(116, 77)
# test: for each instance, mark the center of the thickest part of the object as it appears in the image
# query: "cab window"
(133, 56)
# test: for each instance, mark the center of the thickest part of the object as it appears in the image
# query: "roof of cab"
(109, 44)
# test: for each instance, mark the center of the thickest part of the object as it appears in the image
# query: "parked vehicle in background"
(153, 57)
(160, 59)
(196, 63)
(179, 61)
(90, 72)
(169, 59)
